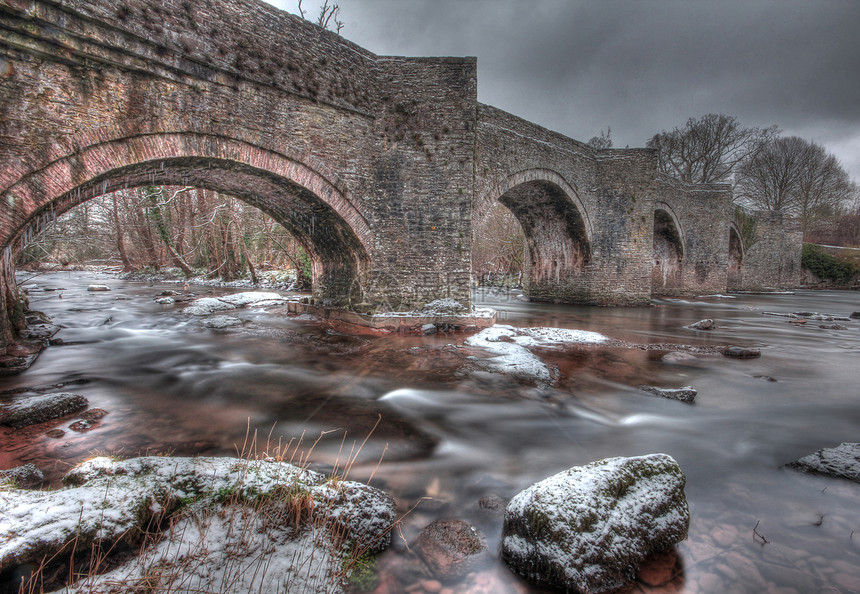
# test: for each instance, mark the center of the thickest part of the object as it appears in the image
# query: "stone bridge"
(378, 165)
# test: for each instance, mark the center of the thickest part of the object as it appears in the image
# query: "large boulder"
(588, 529)
(842, 461)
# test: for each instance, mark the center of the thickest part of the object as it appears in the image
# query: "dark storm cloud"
(641, 66)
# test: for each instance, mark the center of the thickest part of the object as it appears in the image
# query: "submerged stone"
(678, 357)
(452, 548)
(738, 352)
(38, 409)
(842, 461)
(589, 528)
(703, 325)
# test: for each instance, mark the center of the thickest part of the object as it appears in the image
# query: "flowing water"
(448, 433)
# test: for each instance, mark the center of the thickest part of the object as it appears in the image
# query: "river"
(448, 433)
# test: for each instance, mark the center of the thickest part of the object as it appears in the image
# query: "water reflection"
(456, 434)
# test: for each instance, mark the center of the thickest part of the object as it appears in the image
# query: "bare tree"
(329, 16)
(823, 189)
(498, 247)
(794, 176)
(707, 149)
(604, 141)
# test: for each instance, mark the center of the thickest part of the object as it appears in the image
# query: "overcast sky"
(640, 66)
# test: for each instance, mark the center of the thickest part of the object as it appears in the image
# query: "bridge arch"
(556, 226)
(667, 273)
(736, 256)
(300, 197)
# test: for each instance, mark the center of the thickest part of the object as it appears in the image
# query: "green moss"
(363, 574)
(828, 267)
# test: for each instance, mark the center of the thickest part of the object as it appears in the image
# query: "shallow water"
(453, 433)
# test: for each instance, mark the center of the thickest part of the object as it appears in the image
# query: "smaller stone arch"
(667, 272)
(556, 227)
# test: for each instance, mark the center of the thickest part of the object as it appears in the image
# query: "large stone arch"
(667, 273)
(556, 227)
(299, 196)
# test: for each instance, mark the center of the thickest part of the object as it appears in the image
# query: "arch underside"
(337, 254)
(557, 246)
(667, 273)
(736, 258)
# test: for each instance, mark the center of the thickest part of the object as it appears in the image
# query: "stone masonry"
(772, 260)
(377, 164)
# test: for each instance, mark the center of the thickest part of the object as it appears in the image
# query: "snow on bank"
(236, 549)
(510, 346)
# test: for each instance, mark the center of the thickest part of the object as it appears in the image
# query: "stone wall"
(773, 261)
(698, 217)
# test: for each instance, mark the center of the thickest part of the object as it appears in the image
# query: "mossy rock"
(588, 529)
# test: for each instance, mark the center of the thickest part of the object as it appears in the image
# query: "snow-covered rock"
(587, 529)
(218, 322)
(108, 500)
(27, 475)
(98, 288)
(843, 461)
(38, 409)
(510, 347)
(707, 324)
(208, 305)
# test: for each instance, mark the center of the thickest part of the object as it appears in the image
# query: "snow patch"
(510, 346)
(208, 305)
